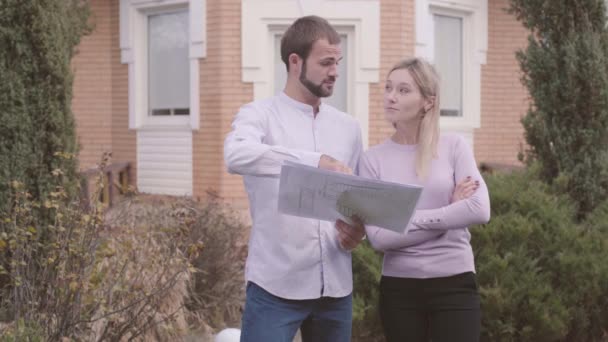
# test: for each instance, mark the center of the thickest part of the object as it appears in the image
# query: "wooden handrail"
(110, 173)
(119, 166)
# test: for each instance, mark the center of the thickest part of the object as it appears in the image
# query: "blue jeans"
(268, 318)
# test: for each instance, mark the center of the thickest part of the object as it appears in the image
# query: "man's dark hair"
(303, 33)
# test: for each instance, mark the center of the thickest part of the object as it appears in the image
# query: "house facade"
(158, 82)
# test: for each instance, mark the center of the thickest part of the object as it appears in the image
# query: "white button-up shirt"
(291, 257)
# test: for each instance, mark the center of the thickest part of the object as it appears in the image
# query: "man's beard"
(315, 89)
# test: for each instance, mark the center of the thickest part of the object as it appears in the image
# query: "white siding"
(164, 161)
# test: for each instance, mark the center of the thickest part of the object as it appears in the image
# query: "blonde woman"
(428, 289)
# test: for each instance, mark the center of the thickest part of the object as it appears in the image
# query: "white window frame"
(474, 15)
(466, 62)
(359, 19)
(133, 44)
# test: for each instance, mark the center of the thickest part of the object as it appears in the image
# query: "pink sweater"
(437, 243)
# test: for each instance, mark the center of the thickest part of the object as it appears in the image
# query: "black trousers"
(435, 309)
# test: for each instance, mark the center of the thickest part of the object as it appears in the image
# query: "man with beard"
(298, 270)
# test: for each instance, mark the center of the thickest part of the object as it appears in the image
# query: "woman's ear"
(429, 103)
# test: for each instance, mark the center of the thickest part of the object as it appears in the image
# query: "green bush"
(37, 40)
(542, 276)
(565, 69)
(367, 270)
(37, 138)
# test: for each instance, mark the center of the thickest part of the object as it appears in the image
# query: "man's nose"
(333, 70)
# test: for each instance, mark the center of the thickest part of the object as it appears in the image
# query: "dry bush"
(219, 285)
(144, 276)
(46, 264)
(148, 269)
(216, 297)
(81, 278)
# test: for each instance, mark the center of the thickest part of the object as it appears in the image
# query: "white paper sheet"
(325, 195)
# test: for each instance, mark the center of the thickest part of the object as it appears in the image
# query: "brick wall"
(222, 92)
(503, 98)
(123, 140)
(92, 103)
(101, 98)
(101, 89)
(396, 42)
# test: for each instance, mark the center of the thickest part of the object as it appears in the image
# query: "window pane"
(448, 61)
(339, 96)
(168, 64)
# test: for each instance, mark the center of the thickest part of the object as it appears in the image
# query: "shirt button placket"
(319, 231)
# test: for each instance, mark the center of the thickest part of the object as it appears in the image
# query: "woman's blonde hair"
(427, 80)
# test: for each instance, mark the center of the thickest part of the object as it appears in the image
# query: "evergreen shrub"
(38, 40)
(367, 269)
(565, 69)
(542, 275)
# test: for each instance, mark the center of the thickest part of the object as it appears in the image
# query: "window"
(449, 62)
(453, 35)
(168, 64)
(339, 98)
(162, 41)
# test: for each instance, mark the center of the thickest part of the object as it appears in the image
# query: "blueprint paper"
(311, 192)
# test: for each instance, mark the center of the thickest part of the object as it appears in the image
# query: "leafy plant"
(565, 69)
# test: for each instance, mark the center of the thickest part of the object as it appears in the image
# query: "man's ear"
(295, 62)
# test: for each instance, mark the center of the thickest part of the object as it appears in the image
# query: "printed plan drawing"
(311, 192)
